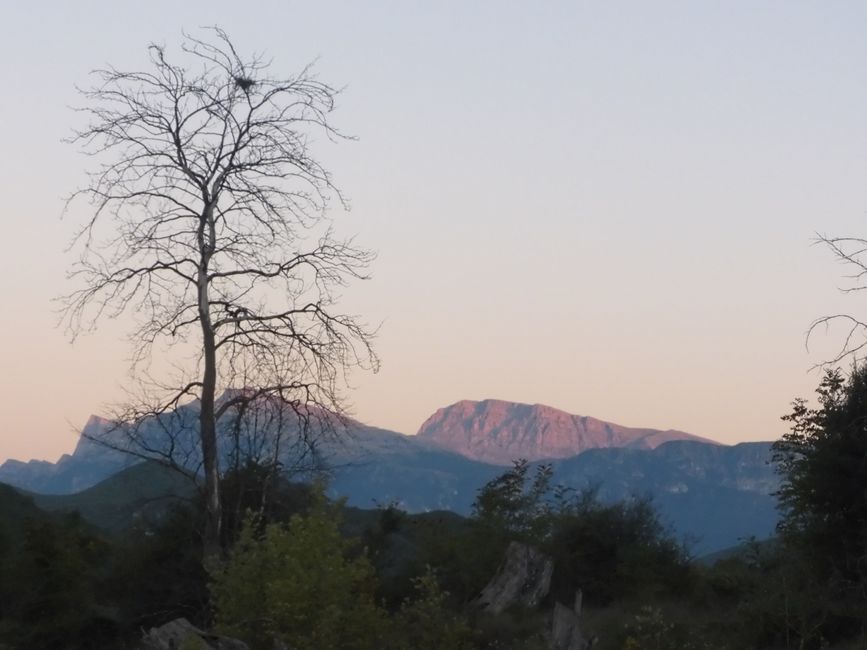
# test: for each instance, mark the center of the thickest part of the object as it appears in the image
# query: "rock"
(181, 634)
(523, 579)
(566, 627)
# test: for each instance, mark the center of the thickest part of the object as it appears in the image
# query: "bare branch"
(852, 253)
(208, 224)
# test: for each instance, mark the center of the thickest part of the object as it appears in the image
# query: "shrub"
(612, 551)
(51, 588)
(298, 583)
(426, 621)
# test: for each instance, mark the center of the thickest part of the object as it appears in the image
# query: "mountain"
(499, 432)
(339, 444)
(710, 494)
(714, 494)
(417, 480)
(98, 453)
(88, 464)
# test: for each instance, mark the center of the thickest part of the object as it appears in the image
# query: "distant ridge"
(711, 493)
(497, 431)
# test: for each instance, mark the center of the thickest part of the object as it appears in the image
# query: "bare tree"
(852, 253)
(209, 225)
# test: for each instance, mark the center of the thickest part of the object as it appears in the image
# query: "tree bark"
(207, 415)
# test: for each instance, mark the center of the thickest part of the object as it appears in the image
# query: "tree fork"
(220, 236)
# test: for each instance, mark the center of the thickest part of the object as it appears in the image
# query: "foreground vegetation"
(315, 574)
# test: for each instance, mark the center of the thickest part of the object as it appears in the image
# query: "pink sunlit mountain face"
(500, 432)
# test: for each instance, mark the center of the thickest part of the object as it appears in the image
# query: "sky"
(606, 207)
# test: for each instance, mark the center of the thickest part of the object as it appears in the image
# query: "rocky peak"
(498, 431)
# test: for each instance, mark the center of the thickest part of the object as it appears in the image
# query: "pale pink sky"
(603, 207)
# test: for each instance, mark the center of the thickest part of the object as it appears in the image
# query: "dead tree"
(209, 226)
(852, 253)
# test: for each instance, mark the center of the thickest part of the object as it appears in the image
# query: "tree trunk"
(208, 432)
(207, 416)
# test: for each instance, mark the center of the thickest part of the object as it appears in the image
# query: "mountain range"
(714, 494)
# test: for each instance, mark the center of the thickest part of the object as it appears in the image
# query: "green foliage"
(613, 551)
(193, 642)
(259, 488)
(377, 535)
(426, 621)
(51, 587)
(293, 575)
(774, 598)
(157, 572)
(518, 628)
(515, 504)
(607, 550)
(465, 558)
(300, 583)
(823, 464)
(512, 506)
(651, 630)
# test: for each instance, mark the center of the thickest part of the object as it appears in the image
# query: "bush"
(426, 621)
(608, 551)
(157, 572)
(299, 583)
(614, 551)
(52, 585)
(651, 630)
(821, 461)
(824, 505)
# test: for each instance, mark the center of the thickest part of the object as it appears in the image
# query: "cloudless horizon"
(608, 208)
